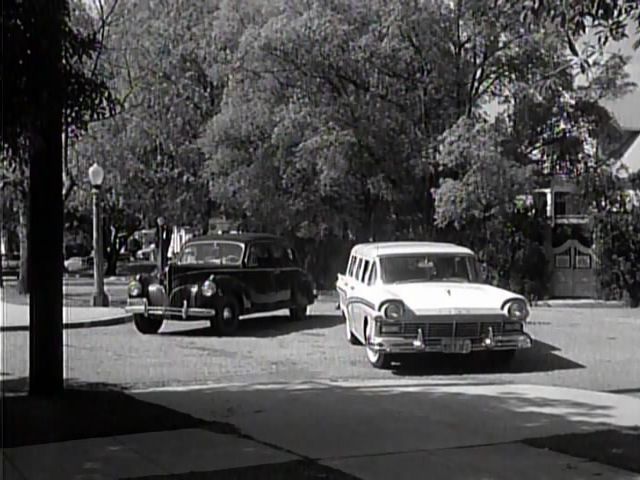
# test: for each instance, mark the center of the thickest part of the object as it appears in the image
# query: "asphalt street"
(594, 349)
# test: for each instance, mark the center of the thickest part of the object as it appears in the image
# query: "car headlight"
(517, 310)
(208, 288)
(135, 289)
(393, 310)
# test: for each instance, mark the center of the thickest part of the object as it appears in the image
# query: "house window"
(562, 261)
(583, 261)
(560, 204)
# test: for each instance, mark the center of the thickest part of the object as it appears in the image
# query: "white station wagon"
(414, 297)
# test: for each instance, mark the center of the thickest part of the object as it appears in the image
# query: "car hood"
(446, 295)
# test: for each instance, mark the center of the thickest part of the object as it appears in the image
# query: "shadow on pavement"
(296, 469)
(351, 426)
(86, 411)
(617, 448)
(264, 326)
(542, 357)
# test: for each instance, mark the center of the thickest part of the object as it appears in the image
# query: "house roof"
(630, 158)
(626, 110)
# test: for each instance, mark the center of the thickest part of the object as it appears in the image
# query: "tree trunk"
(23, 277)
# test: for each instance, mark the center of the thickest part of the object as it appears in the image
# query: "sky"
(627, 109)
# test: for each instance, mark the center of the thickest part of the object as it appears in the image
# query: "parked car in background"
(417, 297)
(219, 278)
(10, 265)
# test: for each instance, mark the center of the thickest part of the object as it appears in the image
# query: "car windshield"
(428, 268)
(217, 253)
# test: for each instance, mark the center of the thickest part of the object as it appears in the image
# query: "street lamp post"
(100, 298)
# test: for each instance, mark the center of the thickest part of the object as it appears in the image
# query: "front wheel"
(227, 317)
(377, 358)
(147, 325)
(299, 313)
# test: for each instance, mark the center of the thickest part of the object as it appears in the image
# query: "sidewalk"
(372, 430)
(15, 317)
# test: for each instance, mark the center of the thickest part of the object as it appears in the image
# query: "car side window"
(356, 274)
(259, 256)
(365, 271)
(352, 266)
(373, 275)
(349, 270)
(279, 256)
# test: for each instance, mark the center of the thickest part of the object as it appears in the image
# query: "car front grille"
(453, 329)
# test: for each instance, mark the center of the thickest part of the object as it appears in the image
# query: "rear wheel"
(227, 317)
(147, 325)
(299, 313)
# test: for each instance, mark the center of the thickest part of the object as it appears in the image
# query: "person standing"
(163, 240)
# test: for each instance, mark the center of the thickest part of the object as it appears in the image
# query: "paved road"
(580, 348)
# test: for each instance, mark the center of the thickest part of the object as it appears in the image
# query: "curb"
(99, 322)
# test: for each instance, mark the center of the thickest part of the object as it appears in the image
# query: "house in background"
(570, 240)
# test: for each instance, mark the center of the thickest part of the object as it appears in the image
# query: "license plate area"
(456, 345)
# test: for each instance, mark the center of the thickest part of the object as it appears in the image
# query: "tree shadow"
(265, 326)
(85, 410)
(342, 423)
(541, 357)
(414, 422)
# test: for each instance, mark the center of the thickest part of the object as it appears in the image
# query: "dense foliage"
(86, 98)
(340, 121)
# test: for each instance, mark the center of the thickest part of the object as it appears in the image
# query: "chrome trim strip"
(146, 309)
(406, 345)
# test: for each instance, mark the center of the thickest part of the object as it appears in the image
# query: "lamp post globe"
(96, 175)
(100, 298)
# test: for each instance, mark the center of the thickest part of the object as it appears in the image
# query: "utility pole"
(45, 100)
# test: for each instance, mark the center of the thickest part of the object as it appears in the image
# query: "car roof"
(235, 237)
(398, 248)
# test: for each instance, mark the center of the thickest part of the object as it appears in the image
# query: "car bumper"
(140, 306)
(418, 344)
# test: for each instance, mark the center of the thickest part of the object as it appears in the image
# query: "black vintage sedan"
(220, 277)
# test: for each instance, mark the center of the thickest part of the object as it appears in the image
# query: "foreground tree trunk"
(45, 92)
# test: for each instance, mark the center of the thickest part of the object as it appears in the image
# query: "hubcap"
(227, 314)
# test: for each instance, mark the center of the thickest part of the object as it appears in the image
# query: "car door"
(355, 307)
(369, 281)
(360, 297)
(260, 279)
(283, 272)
